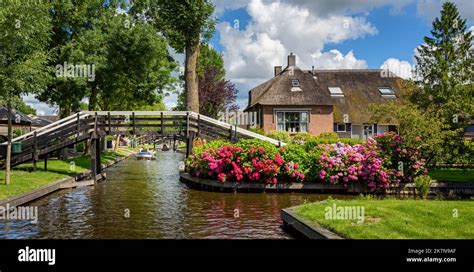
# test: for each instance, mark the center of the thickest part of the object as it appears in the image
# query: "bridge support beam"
(189, 143)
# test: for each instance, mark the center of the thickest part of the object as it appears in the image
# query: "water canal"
(145, 199)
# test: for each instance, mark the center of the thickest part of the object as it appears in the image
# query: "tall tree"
(445, 77)
(70, 19)
(215, 93)
(25, 32)
(185, 23)
(216, 96)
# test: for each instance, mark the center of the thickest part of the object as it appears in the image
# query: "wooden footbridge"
(92, 126)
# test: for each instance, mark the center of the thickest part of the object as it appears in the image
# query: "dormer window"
(387, 92)
(295, 83)
(336, 92)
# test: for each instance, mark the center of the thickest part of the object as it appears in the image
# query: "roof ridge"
(345, 70)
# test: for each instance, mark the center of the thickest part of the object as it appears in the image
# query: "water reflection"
(145, 199)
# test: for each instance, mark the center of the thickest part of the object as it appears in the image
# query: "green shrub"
(212, 145)
(257, 130)
(422, 184)
(279, 135)
(301, 138)
(328, 135)
(246, 144)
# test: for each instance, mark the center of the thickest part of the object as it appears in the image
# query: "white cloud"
(278, 28)
(401, 68)
(320, 7)
(40, 107)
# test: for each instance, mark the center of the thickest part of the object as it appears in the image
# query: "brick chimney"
(291, 60)
(278, 70)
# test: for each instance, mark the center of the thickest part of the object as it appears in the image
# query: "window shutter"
(335, 127)
(348, 127)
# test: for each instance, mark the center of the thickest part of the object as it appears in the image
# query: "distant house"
(318, 101)
(20, 121)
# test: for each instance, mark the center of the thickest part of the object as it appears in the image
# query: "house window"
(341, 128)
(336, 91)
(292, 121)
(368, 131)
(295, 83)
(387, 92)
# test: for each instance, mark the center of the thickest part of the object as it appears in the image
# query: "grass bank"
(24, 180)
(452, 175)
(396, 219)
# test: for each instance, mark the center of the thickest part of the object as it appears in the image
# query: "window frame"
(298, 85)
(336, 94)
(387, 95)
(285, 120)
(337, 127)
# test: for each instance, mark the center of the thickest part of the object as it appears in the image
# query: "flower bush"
(248, 160)
(379, 162)
(401, 156)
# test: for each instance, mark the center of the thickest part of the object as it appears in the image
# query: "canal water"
(146, 200)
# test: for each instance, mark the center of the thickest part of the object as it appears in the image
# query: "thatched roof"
(360, 88)
(278, 90)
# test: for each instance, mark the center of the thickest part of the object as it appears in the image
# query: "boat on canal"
(145, 155)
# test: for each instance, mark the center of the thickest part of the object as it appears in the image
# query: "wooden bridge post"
(109, 125)
(94, 151)
(187, 124)
(133, 123)
(35, 150)
(162, 129)
(230, 133)
(78, 127)
(199, 125)
(189, 143)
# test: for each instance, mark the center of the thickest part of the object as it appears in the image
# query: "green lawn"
(398, 219)
(24, 180)
(452, 175)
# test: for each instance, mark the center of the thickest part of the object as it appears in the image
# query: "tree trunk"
(93, 99)
(9, 144)
(191, 83)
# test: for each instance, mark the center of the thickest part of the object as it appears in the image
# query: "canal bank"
(443, 189)
(84, 178)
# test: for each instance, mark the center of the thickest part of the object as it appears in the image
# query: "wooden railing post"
(78, 127)
(162, 132)
(199, 125)
(46, 162)
(187, 124)
(133, 123)
(35, 150)
(94, 150)
(110, 121)
(230, 133)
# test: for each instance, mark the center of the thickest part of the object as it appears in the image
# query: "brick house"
(318, 101)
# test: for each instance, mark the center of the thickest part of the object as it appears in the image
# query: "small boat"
(145, 155)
